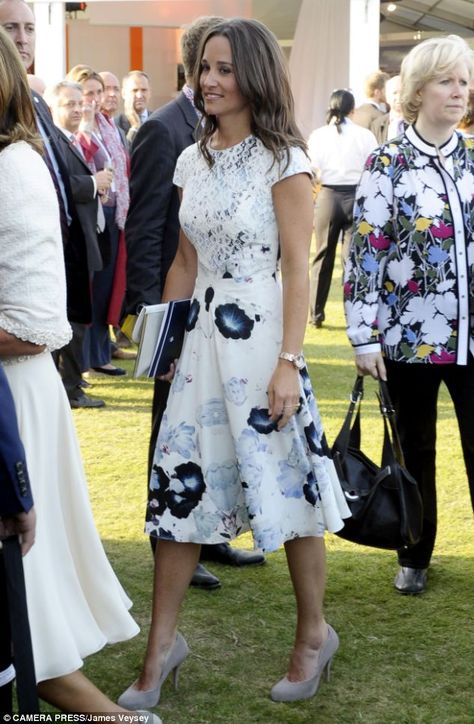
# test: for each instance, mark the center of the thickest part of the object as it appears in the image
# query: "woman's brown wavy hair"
(17, 115)
(262, 76)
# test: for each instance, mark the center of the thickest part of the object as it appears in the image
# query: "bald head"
(18, 20)
(111, 95)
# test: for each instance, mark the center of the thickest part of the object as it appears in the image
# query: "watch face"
(299, 361)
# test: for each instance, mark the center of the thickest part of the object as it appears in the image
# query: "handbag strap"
(347, 435)
(391, 446)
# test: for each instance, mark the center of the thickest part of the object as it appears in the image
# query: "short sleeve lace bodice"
(32, 276)
(227, 210)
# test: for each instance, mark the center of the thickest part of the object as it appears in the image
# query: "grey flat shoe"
(135, 699)
(411, 581)
(287, 690)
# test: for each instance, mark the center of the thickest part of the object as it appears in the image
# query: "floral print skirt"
(221, 467)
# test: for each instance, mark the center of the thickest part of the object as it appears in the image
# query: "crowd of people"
(211, 198)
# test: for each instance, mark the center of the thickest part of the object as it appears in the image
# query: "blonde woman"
(409, 281)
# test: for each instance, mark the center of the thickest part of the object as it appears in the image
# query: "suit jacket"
(366, 114)
(379, 128)
(85, 201)
(152, 227)
(77, 278)
(15, 493)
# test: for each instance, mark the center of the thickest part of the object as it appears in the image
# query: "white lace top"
(32, 277)
(227, 210)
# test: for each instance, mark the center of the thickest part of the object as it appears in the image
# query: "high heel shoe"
(287, 690)
(134, 699)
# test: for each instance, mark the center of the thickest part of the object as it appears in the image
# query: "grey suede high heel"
(134, 699)
(287, 690)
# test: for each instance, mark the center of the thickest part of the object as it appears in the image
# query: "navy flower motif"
(260, 421)
(208, 297)
(232, 322)
(311, 489)
(186, 489)
(312, 439)
(193, 314)
(159, 485)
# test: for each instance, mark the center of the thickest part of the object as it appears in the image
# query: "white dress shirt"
(338, 158)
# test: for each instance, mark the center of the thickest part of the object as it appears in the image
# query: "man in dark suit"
(18, 20)
(136, 93)
(152, 231)
(17, 518)
(65, 101)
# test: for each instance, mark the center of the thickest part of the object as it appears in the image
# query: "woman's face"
(444, 99)
(92, 94)
(218, 83)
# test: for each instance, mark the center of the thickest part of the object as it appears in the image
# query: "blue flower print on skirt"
(232, 322)
(181, 493)
(208, 297)
(179, 439)
(193, 315)
(311, 489)
(222, 482)
(260, 421)
(212, 412)
(235, 390)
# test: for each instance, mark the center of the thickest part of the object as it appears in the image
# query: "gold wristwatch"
(297, 360)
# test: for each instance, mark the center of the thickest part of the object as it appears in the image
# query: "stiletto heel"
(286, 690)
(176, 676)
(134, 699)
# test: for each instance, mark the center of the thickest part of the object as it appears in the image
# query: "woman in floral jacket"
(409, 282)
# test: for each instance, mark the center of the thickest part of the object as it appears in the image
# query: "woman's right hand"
(371, 364)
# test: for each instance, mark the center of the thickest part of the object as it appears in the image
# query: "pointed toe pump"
(287, 690)
(135, 699)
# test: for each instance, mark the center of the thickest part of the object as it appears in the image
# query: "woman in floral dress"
(241, 446)
(409, 281)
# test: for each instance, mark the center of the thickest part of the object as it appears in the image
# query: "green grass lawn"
(403, 660)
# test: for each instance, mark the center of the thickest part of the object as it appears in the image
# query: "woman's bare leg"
(307, 565)
(174, 567)
(75, 693)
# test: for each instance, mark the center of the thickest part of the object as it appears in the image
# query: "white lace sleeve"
(32, 277)
(298, 162)
(183, 165)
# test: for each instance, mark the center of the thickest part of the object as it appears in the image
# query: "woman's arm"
(181, 277)
(180, 280)
(293, 203)
(11, 346)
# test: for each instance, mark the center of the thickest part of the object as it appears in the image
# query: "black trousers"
(5, 643)
(332, 216)
(68, 360)
(414, 390)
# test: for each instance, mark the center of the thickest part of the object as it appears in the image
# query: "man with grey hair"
(65, 102)
(152, 231)
(18, 20)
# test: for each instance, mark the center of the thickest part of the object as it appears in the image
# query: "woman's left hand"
(283, 393)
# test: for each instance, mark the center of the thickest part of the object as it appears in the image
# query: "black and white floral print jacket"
(409, 280)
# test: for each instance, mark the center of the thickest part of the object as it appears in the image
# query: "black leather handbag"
(386, 506)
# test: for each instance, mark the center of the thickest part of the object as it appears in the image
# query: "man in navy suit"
(152, 232)
(17, 517)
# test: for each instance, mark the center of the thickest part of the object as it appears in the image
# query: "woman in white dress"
(76, 604)
(241, 446)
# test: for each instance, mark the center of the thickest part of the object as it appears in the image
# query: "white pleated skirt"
(76, 603)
